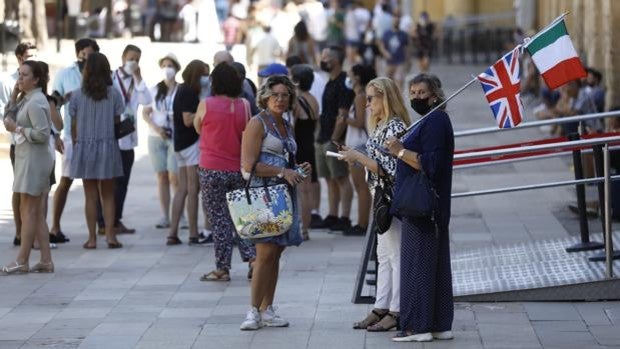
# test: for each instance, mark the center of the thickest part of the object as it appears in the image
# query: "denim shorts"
(161, 152)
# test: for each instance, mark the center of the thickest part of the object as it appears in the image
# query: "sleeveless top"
(221, 130)
(276, 150)
(356, 136)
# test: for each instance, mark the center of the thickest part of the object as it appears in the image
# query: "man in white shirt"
(23, 52)
(67, 80)
(127, 79)
(266, 51)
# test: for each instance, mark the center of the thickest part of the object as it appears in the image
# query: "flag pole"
(559, 18)
(445, 101)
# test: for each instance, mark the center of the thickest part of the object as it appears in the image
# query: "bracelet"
(401, 153)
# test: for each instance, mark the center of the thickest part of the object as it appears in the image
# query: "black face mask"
(326, 67)
(420, 105)
(81, 65)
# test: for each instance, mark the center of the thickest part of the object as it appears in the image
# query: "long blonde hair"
(393, 103)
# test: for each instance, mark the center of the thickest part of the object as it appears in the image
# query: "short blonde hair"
(265, 90)
(393, 103)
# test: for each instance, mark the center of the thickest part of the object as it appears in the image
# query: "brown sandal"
(371, 319)
(216, 275)
(388, 322)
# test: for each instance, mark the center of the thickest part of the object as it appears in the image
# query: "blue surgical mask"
(205, 81)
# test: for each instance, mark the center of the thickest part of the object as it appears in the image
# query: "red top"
(220, 133)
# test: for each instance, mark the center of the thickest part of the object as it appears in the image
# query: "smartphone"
(301, 172)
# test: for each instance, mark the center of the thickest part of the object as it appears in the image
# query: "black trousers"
(120, 192)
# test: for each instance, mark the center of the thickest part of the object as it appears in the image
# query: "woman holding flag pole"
(426, 306)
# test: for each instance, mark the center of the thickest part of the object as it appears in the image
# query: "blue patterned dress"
(274, 151)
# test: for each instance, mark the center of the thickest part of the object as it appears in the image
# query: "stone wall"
(593, 26)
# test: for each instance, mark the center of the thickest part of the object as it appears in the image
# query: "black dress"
(304, 136)
(426, 303)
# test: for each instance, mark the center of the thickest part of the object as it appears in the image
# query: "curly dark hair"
(225, 80)
(96, 77)
(266, 91)
(366, 73)
(192, 74)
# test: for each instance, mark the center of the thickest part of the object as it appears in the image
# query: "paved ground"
(148, 295)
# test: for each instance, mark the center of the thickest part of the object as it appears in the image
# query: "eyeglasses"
(280, 96)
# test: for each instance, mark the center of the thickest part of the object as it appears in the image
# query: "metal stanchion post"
(599, 167)
(585, 244)
(609, 246)
(609, 255)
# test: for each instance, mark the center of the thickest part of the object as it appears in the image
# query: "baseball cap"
(273, 69)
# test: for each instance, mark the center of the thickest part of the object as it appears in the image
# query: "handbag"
(123, 128)
(414, 196)
(261, 212)
(381, 204)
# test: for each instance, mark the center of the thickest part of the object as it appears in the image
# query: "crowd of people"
(217, 130)
(205, 137)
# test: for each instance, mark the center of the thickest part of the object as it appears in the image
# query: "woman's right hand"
(292, 177)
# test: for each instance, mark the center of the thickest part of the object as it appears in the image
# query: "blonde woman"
(388, 118)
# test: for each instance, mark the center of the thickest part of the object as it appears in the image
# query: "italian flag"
(554, 55)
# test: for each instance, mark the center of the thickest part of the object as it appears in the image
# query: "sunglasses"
(369, 98)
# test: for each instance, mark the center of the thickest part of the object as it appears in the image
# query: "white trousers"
(388, 275)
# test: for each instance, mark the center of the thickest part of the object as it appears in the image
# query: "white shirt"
(68, 79)
(162, 110)
(316, 18)
(318, 86)
(267, 50)
(355, 23)
(7, 83)
(134, 95)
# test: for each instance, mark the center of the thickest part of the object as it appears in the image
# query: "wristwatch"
(401, 153)
(281, 174)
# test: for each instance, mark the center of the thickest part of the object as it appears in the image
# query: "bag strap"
(303, 103)
(247, 185)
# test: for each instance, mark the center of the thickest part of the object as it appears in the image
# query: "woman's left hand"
(393, 145)
(9, 124)
(349, 155)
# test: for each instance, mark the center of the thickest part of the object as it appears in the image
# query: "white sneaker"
(163, 223)
(443, 335)
(269, 318)
(417, 337)
(252, 321)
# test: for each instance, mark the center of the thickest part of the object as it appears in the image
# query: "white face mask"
(168, 73)
(130, 67)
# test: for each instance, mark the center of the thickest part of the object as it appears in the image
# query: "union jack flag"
(502, 86)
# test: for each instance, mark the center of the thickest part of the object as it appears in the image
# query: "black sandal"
(173, 240)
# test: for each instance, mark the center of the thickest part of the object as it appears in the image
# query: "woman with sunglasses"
(388, 118)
